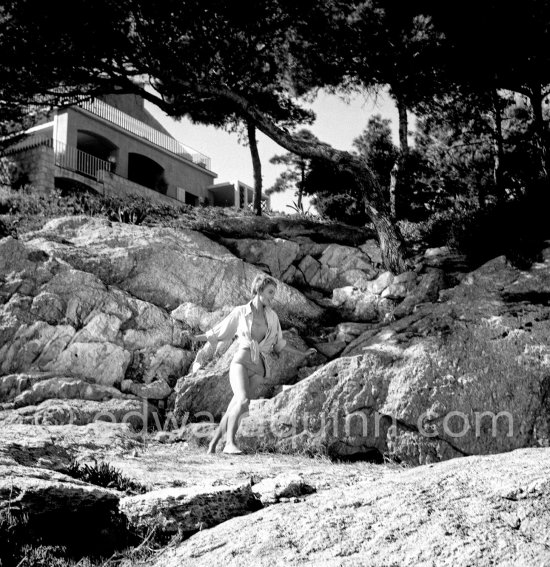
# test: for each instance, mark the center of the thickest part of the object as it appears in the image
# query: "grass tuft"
(104, 475)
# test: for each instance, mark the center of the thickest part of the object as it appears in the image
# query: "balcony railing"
(27, 143)
(135, 126)
(68, 157)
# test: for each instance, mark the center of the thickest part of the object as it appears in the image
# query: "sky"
(338, 122)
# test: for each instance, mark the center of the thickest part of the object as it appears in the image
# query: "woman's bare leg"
(221, 430)
(238, 393)
(238, 378)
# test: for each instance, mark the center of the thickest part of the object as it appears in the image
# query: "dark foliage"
(336, 194)
(103, 474)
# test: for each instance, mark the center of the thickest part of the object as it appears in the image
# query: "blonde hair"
(260, 282)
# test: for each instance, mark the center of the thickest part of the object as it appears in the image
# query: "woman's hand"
(292, 350)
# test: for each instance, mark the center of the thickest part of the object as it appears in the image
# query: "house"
(114, 146)
(235, 193)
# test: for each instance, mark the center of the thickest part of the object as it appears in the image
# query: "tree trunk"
(390, 242)
(394, 180)
(540, 131)
(301, 184)
(257, 167)
(403, 128)
(398, 169)
(498, 143)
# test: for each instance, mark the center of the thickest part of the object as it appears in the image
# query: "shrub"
(28, 209)
(11, 173)
(515, 228)
(103, 474)
(23, 546)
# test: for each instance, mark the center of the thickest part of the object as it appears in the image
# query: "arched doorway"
(69, 186)
(146, 172)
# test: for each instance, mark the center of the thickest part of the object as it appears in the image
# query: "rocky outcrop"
(41, 501)
(357, 305)
(424, 374)
(282, 488)
(198, 317)
(138, 413)
(349, 331)
(97, 311)
(388, 296)
(156, 390)
(172, 511)
(274, 255)
(63, 321)
(481, 510)
(338, 266)
(326, 268)
(161, 266)
(37, 491)
(55, 446)
(296, 229)
(491, 510)
(467, 375)
(64, 388)
(427, 290)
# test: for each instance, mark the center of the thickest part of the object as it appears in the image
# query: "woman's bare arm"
(289, 348)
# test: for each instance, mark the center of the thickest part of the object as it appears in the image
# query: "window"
(191, 199)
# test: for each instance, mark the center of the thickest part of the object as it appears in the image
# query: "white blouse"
(239, 322)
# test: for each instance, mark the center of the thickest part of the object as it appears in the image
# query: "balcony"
(142, 130)
(66, 157)
(83, 166)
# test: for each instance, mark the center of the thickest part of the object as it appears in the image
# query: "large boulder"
(32, 491)
(427, 290)
(490, 510)
(357, 305)
(322, 232)
(41, 501)
(372, 249)
(346, 258)
(12, 385)
(34, 345)
(308, 247)
(56, 446)
(171, 511)
(52, 507)
(105, 363)
(337, 266)
(198, 317)
(274, 255)
(137, 413)
(465, 376)
(64, 387)
(155, 390)
(67, 322)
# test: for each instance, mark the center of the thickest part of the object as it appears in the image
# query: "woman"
(259, 336)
